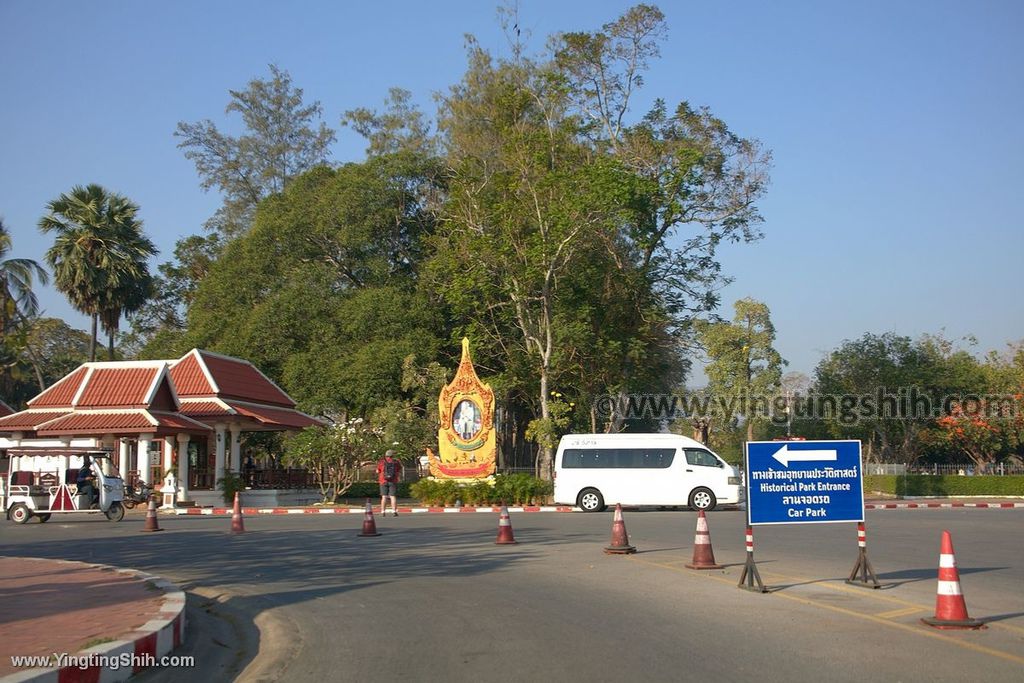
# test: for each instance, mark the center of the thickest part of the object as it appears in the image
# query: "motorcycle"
(137, 494)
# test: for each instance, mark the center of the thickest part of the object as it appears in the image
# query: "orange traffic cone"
(620, 539)
(703, 555)
(369, 526)
(504, 528)
(950, 608)
(237, 525)
(151, 521)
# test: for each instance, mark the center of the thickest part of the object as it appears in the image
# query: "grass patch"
(96, 641)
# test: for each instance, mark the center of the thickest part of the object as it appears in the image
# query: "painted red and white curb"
(530, 508)
(361, 510)
(918, 506)
(122, 658)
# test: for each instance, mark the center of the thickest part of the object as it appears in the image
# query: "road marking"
(905, 612)
(910, 628)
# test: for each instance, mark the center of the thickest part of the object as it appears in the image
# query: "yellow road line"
(905, 612)
(919, 630)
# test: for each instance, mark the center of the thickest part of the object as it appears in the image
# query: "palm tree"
(18, 303)
(99, 255)
(16, 295)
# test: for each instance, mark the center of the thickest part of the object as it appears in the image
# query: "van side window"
(702, 458)
(618, 458)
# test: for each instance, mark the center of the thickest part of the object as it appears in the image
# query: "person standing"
(389, 470)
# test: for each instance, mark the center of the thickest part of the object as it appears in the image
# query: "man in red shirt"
(389, 471)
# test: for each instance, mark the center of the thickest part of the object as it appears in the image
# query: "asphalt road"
(433, 599)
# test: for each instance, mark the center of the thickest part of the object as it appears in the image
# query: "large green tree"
(563, 212)
(744, 367)
(282, 137)
(99, 256)
(322, 292)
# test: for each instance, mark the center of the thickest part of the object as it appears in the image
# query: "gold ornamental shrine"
(465, 439)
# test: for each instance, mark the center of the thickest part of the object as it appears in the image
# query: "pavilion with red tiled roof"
(197, 407)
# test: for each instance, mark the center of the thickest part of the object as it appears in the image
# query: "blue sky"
(895, 130)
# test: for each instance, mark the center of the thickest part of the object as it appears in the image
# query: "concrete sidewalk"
(55, 607)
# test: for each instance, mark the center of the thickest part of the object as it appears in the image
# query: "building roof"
(5, 409)
(62, 392)
(121, 421)
(275, 417)
(206, 374)
(124, 384)
(162, 397)
(28, 420)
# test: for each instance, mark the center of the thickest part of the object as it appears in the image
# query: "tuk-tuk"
(44, 481)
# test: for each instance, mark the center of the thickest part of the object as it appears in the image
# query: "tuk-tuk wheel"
(43, 518)
(115, 513)
(20, 513)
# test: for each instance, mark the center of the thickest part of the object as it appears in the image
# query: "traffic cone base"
(237, 524)
(703, 554)
(620, 539)
(151, 520)
(950, 607)
(505, 535)
(369, 526)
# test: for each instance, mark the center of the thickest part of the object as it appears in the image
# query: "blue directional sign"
(800, 482)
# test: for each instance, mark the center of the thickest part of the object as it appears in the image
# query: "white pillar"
(182, 467)
(236, 449)
(218, 464)
(142, 457)
(124, 456)
(168, 455)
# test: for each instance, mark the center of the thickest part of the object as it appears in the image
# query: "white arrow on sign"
(786, 456)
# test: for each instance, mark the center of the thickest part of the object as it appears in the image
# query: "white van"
(595, 470)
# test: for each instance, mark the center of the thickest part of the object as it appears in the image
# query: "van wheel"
(702, 499)
(20, 513)
(43, 518)
(590, 500)
(115, 513)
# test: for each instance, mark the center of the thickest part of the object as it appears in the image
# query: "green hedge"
(514, 489)
(943, 485)
(371, 489)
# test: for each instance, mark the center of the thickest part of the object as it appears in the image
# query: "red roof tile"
(189, 378)
(173, 421)
(5, 409)
(60, 394)
(202, 408)
(278, 417)
(28, 420)
(241, 380)
(116, 387)
(95, 423)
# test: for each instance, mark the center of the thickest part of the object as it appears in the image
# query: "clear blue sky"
(895, 128)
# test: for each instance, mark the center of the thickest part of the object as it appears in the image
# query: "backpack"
(390, 469)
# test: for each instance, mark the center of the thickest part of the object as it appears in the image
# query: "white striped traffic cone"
(369, 526)
(703, 554)
(620, 539)
(505, 536)
(950, 608)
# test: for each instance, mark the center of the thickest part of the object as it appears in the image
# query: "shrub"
(371, 489)
(514, 489)
(939, 485)
(231, 484)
